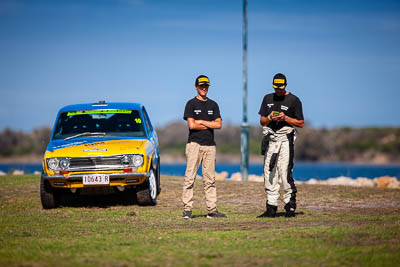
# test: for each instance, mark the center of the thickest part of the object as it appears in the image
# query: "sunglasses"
(280, 87)
(204, 86)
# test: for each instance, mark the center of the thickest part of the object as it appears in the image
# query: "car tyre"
(158, 177)
(147, 192)
(48, 195)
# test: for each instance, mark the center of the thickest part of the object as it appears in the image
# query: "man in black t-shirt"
(280, 113)
(202, 116)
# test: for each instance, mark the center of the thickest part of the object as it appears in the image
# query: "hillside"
(367, 145)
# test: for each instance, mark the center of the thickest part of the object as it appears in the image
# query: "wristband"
(269, 118)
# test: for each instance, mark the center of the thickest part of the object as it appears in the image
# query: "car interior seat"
(80, 124)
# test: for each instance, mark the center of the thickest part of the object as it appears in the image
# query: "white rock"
(18, 172)
(237, 176)
(255, 178)
(342, 180)
(221, 176)
(37, 173)
(394, 183)
(2, 173)
(365, 182)
(312, 181)
(347, 181)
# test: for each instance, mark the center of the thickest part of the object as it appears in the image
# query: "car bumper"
(116, 179)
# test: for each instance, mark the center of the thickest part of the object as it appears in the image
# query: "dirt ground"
(235, 198)
(250, 197)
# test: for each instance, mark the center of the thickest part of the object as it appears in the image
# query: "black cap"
(202, 79)
(279, 81)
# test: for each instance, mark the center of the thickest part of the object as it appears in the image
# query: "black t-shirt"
(288, 104)
(202, 110)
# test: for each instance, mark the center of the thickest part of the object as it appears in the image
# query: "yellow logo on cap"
(279, 81)
(203, 79)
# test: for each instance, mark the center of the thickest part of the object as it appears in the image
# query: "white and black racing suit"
(278, 165)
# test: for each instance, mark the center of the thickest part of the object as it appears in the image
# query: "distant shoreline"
(173, 159)
(22, 159)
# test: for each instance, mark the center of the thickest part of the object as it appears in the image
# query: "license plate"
(94, 179)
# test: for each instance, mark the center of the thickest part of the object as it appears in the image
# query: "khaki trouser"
(281, 172)
(196, 155)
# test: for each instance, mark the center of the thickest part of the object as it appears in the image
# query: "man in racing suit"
(280, 112)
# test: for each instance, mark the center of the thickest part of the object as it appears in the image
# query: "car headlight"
(52, 163)
(137, 160)
(57, 164)
(132, 160)
(64, 164)
(126, 160)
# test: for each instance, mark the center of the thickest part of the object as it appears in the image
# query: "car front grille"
(96, 163)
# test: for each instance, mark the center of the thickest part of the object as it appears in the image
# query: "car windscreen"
(102, 122)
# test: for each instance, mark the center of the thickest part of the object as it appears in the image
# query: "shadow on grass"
(282, 214)
(94, 198)
(199, 216)
(278, 214)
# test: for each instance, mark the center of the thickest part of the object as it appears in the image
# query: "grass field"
(334, 226)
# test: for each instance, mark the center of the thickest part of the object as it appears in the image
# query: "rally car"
(101, 145)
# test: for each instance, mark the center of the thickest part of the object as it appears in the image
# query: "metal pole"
(244, 137)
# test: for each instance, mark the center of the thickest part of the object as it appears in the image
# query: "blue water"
(302, 171)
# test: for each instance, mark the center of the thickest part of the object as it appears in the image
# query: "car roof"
(102, 105)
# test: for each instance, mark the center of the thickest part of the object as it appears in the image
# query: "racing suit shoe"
(187, 214)
(216, 214)
(290, 211)
(270, 212)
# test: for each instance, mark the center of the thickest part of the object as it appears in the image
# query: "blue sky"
(340, 57)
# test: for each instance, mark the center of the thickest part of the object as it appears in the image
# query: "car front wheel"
(147, 192)
(48, 195)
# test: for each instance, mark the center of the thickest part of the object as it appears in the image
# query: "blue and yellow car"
(101, 145)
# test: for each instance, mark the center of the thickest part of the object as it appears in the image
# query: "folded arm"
(203, 125)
